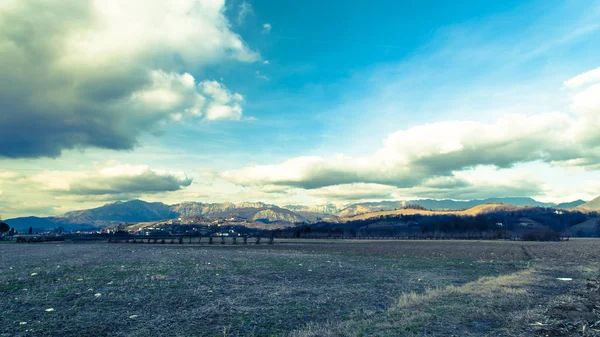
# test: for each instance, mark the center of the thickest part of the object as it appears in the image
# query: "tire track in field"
(527, 253)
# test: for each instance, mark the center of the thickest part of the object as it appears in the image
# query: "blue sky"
(296, 102)
(414, 61)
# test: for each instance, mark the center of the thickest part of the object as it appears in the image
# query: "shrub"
(541, 235)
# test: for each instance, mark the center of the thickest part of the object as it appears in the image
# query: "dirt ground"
(302, 288)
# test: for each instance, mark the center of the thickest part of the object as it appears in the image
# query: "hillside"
(368, 207)
(570, 205)
(593, 205)
(589, 227)
(199, 221)
(42, 224)
(135, 211)
(129, 211)
(191, 209)
(256, 211)
(316, 216)
(322, 209)
(109, 214)
(479, 209)
(445, 204)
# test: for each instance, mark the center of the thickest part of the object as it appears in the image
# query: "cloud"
(223, 104)
(353, 192)
(170, 94)
(111, 181)
(244, 10)
(434, 153)
(261, 76)
(583, 79)
(519, 188)
(585, 102)
(266, 28)
(478, 183)
(51, 192)
(482, 182)
(79, 74)
(409, 157)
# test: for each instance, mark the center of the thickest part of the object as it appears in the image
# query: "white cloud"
(112, 180)
(56, 191)
(261, 76)
(7, 176)
(586, 104)
(435, 153)
(479, 183)
(170, 93)
(179, 96)
(100, 73)
(266, 28)
(353, 192)
(140, 30)
(408, 157)
(244, 10)
(223, 104)
(583, 79)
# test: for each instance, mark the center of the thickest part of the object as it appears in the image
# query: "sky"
(296, 102)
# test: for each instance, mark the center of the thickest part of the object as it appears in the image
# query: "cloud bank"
(430, 160)
(111, 181)
(90, 73)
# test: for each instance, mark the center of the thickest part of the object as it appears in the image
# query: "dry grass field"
(301, 288)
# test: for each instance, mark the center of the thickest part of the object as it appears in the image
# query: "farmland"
(301, 288)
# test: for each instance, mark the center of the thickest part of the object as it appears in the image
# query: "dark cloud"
(67, 80)
(148, 182)
(481, 191)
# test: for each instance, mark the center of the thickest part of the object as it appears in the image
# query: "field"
(301, 288)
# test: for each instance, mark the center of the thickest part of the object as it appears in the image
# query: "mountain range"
(141, 211)
(433, 204)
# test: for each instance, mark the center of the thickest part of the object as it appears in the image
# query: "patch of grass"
(437, 310)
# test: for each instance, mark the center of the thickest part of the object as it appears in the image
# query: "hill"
(109, 214)
(432, 204)
(593, 205)
(322, 209)
(477, 210)
(570, 205)
(368, 207)
(38, 224)
(482, 221)
(256, 211)
(43, 224)
(316, 216)
(453, 204)
(589, 227)
(135, 211)
(129, 211)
